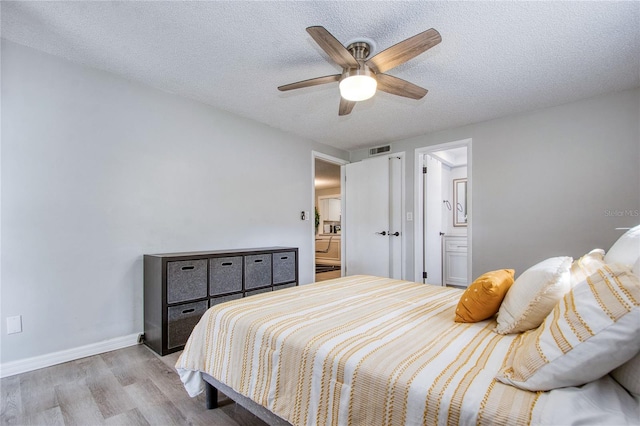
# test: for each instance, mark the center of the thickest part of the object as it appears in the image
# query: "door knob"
(383, 233)
(396, 234)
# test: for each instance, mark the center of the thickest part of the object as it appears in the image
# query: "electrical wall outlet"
(14, 324)
(304, 215)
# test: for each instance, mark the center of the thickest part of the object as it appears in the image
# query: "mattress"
(365, 350)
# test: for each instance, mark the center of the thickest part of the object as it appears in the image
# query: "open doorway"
(328, 207)
(443, 214)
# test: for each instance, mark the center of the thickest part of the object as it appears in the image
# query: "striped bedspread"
(358, 350)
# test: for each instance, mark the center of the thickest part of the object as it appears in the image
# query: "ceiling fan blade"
(345, 106)
(403, 51)
(311, 82)
(397, 86)
(336, 51)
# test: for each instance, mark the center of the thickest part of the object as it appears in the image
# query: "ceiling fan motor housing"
(363, 70)
(364, 75)
(359, 49)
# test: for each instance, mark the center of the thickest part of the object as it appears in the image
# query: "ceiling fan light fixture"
(358, 84)
(360, 74)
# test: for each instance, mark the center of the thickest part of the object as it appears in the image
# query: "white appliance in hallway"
(373, 229)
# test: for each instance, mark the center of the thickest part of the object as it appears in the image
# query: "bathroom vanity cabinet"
(455, 261)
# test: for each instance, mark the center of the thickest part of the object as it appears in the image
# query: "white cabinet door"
(333, 209)
(455, 261)
(372, 212)
(330, 209)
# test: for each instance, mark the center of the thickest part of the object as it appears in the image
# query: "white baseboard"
(37, 362)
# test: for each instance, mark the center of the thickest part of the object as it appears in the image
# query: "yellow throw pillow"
(482, 299)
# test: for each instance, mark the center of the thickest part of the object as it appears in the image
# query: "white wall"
(98, 170)
(545, 183)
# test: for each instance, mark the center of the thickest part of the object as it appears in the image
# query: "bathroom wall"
(448, 176)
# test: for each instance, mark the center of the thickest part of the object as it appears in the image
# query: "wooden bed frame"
(211, 388)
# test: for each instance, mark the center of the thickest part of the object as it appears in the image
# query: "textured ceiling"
(495, 59)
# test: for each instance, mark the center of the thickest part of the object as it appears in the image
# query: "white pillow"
(586, 265)
(593, 330)
(533, 295)
(628, 375)
(626, 250)
(636, 268)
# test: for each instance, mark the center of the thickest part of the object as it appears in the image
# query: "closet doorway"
(443, 214)
(328, 249)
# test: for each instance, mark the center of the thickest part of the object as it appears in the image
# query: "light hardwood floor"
(130, 386)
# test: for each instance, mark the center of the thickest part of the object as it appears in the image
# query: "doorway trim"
(419, 204)
(340, 162)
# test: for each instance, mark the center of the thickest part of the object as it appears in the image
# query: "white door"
(432, 221)
(395, 217)
(372, 217)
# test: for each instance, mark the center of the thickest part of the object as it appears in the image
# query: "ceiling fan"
(361, 76)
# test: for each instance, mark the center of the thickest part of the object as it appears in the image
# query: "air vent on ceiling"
(379, 150)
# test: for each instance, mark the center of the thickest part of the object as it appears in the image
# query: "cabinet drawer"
(254, 292)
(186, 280)
(216, 300)
(181, 320)
(456, 246)
(284, 267)
(225, 275)
(257, 271)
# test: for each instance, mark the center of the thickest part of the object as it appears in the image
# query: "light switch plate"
(14, 324)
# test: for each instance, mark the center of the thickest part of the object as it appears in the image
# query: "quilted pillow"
(627, 249)
(586, 265)
(482, 299)
(533, 295)
(593, 330)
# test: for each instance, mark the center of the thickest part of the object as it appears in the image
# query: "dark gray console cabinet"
(180, 287)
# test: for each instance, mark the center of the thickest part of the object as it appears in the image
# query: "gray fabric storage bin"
(281, 286)
(186, 280)
(254, 292)
(284, 267)
(257, 271)
(182, 319)
(216, 300)
(174, 281)
(225, 275)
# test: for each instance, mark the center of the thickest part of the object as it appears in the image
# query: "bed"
(365, 350)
